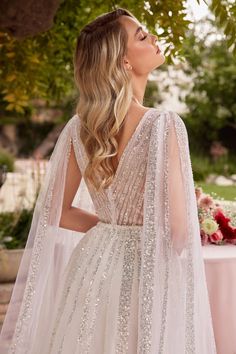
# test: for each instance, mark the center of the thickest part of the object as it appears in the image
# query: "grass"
(226, 192)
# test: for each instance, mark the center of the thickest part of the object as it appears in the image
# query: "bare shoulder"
(136, 113)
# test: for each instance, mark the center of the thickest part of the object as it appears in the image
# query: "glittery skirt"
(97, 301)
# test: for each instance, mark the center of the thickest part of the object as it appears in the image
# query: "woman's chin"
(160, 60)
(162, 56)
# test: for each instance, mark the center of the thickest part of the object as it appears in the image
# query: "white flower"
(209, 226)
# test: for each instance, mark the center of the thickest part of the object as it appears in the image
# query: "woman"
(134, 282)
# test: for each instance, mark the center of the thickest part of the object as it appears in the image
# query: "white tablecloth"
(220, 266)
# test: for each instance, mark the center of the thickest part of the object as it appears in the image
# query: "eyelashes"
(143, 38)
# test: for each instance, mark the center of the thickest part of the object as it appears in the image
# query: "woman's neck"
(139, 84)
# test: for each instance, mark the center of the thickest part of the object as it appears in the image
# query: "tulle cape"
(174, 311)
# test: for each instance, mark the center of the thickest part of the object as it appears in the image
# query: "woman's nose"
(154, 39)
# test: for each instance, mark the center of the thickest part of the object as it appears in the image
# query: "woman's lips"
(158, 50)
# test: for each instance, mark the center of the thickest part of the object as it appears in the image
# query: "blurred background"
(38, 94)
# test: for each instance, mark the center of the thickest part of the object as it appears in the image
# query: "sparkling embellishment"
(167, 238)
(118, 235)
(84, 320)
(68, 285)
(134, 227)
(117, 244)
(125, 294)
(46, 195)
(187, 176)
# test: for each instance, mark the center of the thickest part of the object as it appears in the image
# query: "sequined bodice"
(122, 202)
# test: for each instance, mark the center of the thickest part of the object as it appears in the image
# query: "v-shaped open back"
(127, 186)
(135, 132)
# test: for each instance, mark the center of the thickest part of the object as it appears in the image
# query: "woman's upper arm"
(176, 187)
(73, 179)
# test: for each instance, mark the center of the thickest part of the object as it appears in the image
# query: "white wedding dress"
(135, 282)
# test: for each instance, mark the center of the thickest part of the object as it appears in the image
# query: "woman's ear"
(127, 65)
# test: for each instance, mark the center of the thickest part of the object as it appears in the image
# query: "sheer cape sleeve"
(174, 310)
(47, 250)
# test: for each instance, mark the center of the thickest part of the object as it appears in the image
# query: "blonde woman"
(113, 261)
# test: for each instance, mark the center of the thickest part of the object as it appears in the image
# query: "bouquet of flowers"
(217, 222)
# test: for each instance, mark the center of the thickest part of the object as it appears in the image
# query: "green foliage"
(30, 135)
(42, 66)
(203, 166)
(152, 95)
(7, 159)
(211, 97)
(225, 192)
(14, 228)
(225, 18)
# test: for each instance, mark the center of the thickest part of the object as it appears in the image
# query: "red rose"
(228, 232)
(216, 237)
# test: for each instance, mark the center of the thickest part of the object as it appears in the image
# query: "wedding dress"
(135, 282)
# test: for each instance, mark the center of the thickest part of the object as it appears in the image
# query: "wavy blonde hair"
(105, 92)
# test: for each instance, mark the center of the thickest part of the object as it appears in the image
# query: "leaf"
(10, 55)
(230, 41)
(24, 97)
(34, 59)
(10, 77)
(10, 97)
(22, 103)
(234, 50)
(10, 107)
(19, 109)
(223, 17)
(228, 29)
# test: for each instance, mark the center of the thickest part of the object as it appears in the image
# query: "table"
(220, 267)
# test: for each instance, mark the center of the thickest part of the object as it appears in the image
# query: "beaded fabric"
(135, 282)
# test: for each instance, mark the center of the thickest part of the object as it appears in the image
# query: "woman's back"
(127, 187)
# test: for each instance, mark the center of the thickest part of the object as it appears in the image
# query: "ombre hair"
(105, 92)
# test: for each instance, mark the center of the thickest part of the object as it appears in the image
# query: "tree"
(225, 19)
(41, 65)
(211, 99)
